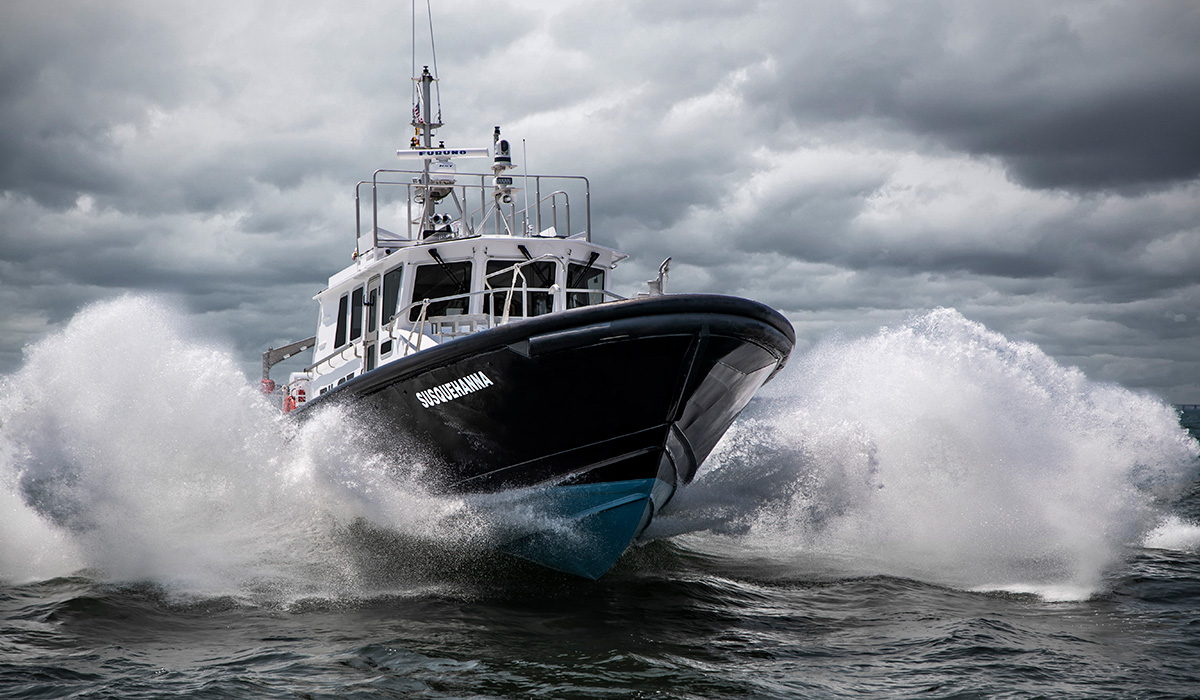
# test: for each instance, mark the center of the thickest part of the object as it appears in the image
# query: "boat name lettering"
(454, 389)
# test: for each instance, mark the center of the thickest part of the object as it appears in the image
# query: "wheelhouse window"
(339, 336)
(391, 294)
(584, 277)
(436, 280)
(356, 313)
(538, 276)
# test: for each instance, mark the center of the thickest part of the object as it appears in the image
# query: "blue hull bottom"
(588, 526)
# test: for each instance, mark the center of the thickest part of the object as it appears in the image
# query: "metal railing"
(335, 354)
(412, 334)
(476, 221)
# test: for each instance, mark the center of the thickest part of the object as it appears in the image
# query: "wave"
(942, 451)
(937, 450)
(134, 451)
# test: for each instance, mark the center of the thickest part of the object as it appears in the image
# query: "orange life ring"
(289, 404)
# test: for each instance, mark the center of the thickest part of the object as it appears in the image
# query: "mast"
(423, 123)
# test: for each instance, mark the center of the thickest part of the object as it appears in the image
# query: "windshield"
(538, 275)
(584, 277)
(441, 280)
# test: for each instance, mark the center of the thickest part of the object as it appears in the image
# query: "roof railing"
(513, 221)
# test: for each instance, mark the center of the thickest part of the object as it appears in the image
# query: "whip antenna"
(437, 91)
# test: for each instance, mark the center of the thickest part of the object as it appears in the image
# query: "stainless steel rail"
(468, 218)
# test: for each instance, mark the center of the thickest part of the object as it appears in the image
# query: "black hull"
(635, 390)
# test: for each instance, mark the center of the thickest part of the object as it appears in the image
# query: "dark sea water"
(934, 511)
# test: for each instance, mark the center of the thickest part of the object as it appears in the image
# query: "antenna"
(437, 91)
(525, 186)
(433, 52)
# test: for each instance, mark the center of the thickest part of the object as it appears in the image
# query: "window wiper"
(458, 286)
(579, 277)
(539, 271)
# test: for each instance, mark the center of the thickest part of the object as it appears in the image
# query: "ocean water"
(932, 511)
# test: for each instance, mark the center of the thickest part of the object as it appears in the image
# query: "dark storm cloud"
(1105, 99)
(1084, 96)
(65, 83)
(1127, 253)
(157, 148)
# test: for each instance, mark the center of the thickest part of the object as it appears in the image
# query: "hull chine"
(585, 527)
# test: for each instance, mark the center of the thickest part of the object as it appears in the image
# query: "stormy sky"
(1032, 164)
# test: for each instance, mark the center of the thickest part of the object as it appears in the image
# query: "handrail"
(517, 266)
(336, 353)
(552, 198)
(516, 270)
(522, 263)
(417, 326)
(468, 218)
(488, 289)
(392, 328)
(420, 324)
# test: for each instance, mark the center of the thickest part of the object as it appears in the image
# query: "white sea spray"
(942, 451)
(936, 450)
(135, 451)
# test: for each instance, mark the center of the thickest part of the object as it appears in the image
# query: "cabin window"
(584, 277)
(371, 303)
(340, 335)
(441, 280)
(538, 275)
(391, 294)
(356, 313)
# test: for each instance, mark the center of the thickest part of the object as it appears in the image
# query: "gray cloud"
(1082, 96)
(1032, 164)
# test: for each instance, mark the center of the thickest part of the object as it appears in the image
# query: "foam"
(1174, 533)
(937, 450)
(134, 450)
(943, 451)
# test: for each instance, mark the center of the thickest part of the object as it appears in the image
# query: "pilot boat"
(483, 327)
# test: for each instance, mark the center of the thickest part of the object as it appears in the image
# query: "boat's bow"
(601, 412)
